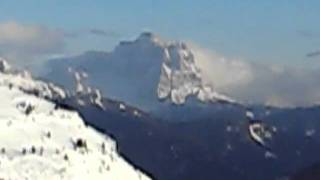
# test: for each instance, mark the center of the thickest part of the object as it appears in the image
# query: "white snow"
(39, 141)
(270, 155)
(180, 77)
(260, 133)
(229, 128)
(250, 115)
(255, 130)
(97, 99)
(136, 113)
(23, 81)
(122, 107)
(164, 87)
(310, 132)
(82, 90)
(4, 66)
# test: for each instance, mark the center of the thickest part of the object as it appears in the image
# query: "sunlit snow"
(38, 140)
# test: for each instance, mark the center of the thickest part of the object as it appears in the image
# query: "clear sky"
(273, 31)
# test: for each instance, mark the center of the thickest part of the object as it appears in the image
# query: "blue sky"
(273, 31)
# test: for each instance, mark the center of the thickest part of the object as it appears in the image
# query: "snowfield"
(39, 140)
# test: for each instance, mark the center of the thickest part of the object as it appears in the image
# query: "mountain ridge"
(41, 139)
(141, 72)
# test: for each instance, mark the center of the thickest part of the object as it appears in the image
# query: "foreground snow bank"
(39, 140)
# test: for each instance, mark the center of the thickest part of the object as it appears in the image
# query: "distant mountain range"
(171, 124)
(141, 72)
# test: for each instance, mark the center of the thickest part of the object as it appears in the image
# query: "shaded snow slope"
(214, 145)
(39, 140)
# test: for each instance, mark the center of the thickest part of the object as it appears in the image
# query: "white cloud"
(259, 83)
(221, 72)
(26, 44)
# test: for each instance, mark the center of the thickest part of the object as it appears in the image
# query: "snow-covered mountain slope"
(141, 71)
(40, 140)
(24, 82)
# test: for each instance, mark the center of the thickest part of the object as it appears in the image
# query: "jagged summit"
(142, 71)
(146, 41)
(180, 77)
(148, 36)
